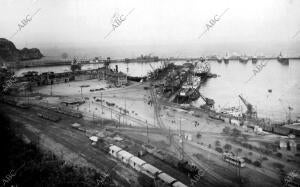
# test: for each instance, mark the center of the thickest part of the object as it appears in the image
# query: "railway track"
(210, 177)
(75, 141)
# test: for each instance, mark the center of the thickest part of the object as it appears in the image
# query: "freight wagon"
(281, 130)
(49, 117)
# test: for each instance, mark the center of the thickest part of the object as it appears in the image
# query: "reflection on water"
(283, 81)
(271, 91)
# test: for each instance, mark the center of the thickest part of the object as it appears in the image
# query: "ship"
(226, 59)
(243, 59)
(192, 82)
(75, 66)
(187, 94)
(202, 68)
(254, 59)
(219, 59)
(147, 58)
(283, 60)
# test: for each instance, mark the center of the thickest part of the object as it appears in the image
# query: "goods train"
(143, 167)
(281, 130)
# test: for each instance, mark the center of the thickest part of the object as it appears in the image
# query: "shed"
(282, 144)
(293, 145)
(94, 138)
(75, 125)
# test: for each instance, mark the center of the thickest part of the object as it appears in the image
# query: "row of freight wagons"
(280, 130)
(143, 167)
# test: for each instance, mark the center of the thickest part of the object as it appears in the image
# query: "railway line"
(209, 177)
(73, 140)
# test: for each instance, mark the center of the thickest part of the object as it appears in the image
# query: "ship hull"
(284, 61)
(226, 61)
(254, 60)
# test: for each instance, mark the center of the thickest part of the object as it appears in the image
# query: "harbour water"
(271, 91)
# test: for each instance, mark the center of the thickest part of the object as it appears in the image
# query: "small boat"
(283, 60)
(219, 59)
(226, 59)
(254, 59)
(243, 59)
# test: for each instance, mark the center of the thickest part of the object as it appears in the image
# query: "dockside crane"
(209, 102)
(288, 113)
(250, 113)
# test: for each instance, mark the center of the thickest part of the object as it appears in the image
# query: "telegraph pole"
(181, 140)
(125, 112)
(119, 120)
(147, 134)
(101, 104)
(170, 134)
(93, 116)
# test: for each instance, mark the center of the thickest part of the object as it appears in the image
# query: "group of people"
(196, 123)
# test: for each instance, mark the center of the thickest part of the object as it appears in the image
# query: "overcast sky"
(164, 27)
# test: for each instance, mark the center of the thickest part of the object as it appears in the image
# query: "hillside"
(9, 52)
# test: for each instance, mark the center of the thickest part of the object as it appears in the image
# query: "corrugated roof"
(115, 148)
(179, 184)
(166, 178)
(151, 168)
(137, 160)
(125, 154)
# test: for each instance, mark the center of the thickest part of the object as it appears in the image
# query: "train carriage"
(136, 163)
(113, 150)
(150, 170)
(166, 178)
(124, 156)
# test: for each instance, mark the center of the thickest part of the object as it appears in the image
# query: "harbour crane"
(288, 114)
(251, 113)
(209, 102)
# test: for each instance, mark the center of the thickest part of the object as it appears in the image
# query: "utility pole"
(93, 116)
(170, 135)
(147, 134)
(119, 120)
(181, 140)
(101, 104)
(125, 112)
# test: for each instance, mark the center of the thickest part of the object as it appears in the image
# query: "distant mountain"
(9, 52)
